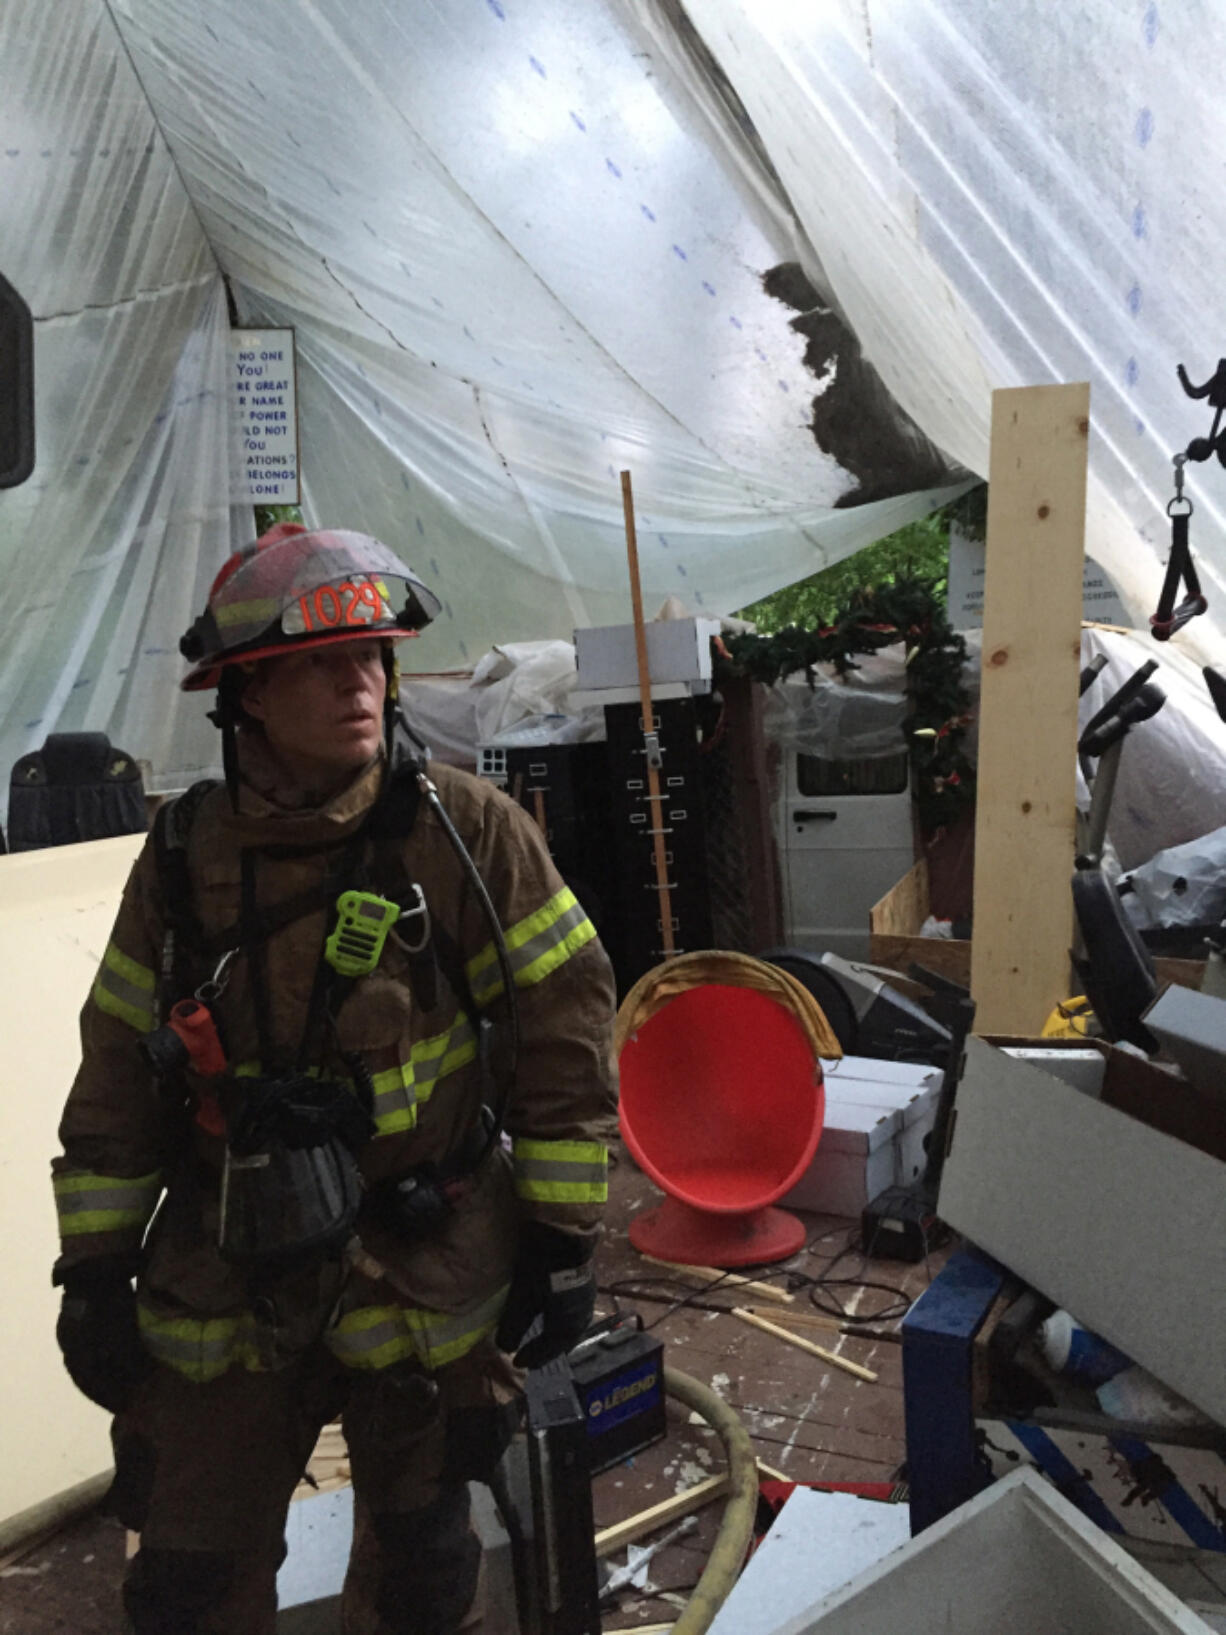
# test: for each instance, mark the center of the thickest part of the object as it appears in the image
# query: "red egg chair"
(722, 1105)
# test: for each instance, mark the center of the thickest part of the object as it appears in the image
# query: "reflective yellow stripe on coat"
(537, 944)
(561, 1172)
(377, 1336)
(200, 1348)
(124, 988)
(400, 1091)
(105, 1203)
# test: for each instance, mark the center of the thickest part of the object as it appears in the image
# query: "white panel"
(1120, 1225)
(56, 911)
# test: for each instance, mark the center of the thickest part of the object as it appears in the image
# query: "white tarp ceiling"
(522, 245)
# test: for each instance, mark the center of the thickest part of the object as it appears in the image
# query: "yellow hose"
(736, 1530)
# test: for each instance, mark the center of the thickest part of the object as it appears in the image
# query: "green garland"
(909, 610)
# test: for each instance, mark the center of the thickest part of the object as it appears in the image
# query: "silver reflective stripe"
(115, 1198)
(178, 1349)
(358, 1342)
(427, 1072)
(558, 1169)
(489, 982)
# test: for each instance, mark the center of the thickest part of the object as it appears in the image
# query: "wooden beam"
(1025, 808)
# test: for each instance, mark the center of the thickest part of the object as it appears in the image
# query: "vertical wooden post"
(1025, 809)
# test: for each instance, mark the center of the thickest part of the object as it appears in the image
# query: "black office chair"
(76, 787)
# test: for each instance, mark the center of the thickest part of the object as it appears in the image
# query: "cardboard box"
(1117, 1221)
(677, 650)
(894, 941)
(877, 1116)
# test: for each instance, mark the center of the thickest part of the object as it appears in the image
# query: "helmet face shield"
(303, 588)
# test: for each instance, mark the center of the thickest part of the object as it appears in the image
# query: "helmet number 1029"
(330, 606)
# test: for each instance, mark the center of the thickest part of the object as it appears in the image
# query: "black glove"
(553, 1280)
(98, 1333)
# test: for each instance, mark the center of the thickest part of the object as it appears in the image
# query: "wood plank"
(904, 908)
(1024, 827)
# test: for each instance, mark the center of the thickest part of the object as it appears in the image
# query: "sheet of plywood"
(1025, 808)
(56, 911)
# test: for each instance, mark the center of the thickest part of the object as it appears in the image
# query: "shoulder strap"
(172, 828)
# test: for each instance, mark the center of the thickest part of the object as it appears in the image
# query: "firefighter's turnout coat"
(130, 1152)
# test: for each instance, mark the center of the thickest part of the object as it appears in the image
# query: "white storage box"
(1016, 1560)
(677, 650)
(877, 1116)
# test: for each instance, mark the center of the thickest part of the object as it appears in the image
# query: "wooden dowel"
(801, 1319)
(731, 1280)
(647, 1521)
(802, 1344)
(654, 798)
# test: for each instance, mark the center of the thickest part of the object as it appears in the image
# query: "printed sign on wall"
(264, 401)
(967, 561)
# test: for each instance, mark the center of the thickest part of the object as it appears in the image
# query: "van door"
(847, 836)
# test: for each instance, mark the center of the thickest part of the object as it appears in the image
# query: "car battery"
(619, 1377)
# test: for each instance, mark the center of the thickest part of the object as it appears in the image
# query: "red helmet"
(297, 588)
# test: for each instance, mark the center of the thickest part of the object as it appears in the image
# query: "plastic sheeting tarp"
(1171, 785)
(104, 551)
(853, 717)
(1006, 194)
(521, 243)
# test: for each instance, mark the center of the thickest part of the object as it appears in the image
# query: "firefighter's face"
(321, 709)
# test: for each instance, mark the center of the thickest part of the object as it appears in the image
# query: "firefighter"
(285, 1189)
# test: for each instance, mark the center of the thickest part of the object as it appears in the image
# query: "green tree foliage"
(267, 516)
(918, 551)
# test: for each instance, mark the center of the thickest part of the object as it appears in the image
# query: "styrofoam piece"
(1018, 1559)
(318, 1536)
(677, 650)
(1109, 1218)
(819, 1541)
(1083, 1069)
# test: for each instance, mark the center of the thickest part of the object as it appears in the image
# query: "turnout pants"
(205, 1473)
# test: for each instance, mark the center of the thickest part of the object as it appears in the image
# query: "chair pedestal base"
(695, 1237)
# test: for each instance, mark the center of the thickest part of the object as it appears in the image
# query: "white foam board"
(819, 1542)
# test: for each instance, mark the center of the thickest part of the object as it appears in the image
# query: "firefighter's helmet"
(297, 588)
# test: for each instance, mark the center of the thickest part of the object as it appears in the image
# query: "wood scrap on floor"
(328, 1468)
(647, 1521)
(799, 1341)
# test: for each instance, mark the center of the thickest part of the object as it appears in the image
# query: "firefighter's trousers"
(205, 1474)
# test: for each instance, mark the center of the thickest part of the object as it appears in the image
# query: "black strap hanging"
(1179, 570)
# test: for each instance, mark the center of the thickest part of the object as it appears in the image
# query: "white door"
(846, 837)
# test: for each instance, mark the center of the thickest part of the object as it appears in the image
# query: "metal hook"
(1179, 461)
(212, 990)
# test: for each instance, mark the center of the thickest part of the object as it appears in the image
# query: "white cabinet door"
(845, 837)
